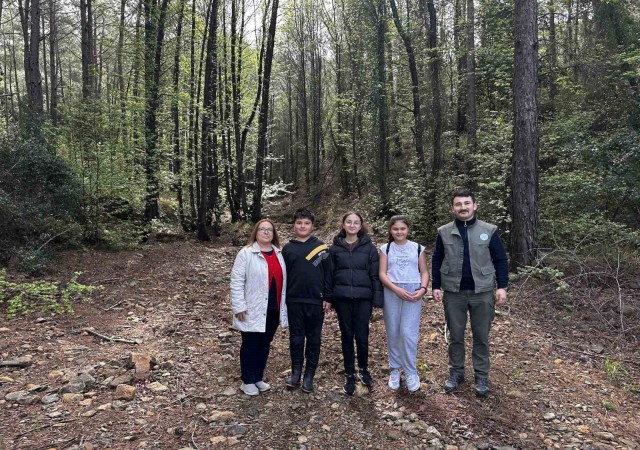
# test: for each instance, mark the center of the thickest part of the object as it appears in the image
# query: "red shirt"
(275, 273)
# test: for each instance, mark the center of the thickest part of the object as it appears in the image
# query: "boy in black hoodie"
(306, 258)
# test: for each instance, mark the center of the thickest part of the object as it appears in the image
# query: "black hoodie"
(354, 272)
(308, 266)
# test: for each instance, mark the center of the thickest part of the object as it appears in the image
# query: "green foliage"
(547, 274)
(615, 371)
(42, 296)
(40, 199)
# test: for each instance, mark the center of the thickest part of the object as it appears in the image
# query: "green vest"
(482, 269)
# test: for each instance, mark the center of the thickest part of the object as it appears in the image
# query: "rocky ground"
(151, 362)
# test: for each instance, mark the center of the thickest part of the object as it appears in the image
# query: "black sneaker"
(481, 387)
(350, 386)
(365, 378)
(452, 383)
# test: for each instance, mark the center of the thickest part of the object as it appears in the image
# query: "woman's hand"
(241, 316)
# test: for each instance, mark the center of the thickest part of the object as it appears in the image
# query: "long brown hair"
(252, 238)
(393, 221)
(364, 229)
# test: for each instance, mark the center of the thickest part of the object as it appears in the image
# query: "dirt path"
(550, 390)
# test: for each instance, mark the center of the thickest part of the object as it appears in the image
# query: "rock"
(23, 361)
(50, 398)
(157, 387)
(141, 363)
(597, 349)
(218, 440)
(125, 392)
(392, 415)
(119, 405)
(326, 428)
(4, 330)
(6, 380)
(434, 431)
(72, 398)
(435, 443)
(225, 334)
(515, 394)
(451, 447)
(104, 407)
(21, 398)
(393, 434)
(557, 361)
(604, 435)
(79, 384)
(549, 416)
(237, 429)
(126, 378)
(86, 402)
(221, 415)
(201, 407)
(303, 439)
(229, 391)
(361, 390)
(89, 413)
(55, 374)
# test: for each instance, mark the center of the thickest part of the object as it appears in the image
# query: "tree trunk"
(53, 67)
(86, 45)
(524, 179)
(461, 52)
(263, 118)
(415, 87)
(175, 114)
(471, 78)
(553, 56)
(122, 96)
(379, 96)
(209, 137)
(154, 39)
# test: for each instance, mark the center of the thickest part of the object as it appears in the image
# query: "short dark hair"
(303, 213)
(462, 191)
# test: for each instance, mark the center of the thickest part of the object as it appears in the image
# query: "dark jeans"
(305, 323)
(254, 350)
(481, 310)
(353, 318)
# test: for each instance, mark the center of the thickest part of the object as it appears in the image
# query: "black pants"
(254, 350)
(353, 318)
(305, 323)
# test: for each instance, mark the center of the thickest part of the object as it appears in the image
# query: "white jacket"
(250, 289)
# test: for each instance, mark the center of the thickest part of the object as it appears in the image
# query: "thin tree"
(263, 117)
(524, 184)
(471, 78)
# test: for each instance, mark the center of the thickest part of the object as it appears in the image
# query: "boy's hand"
(326, 306)
(241, 316)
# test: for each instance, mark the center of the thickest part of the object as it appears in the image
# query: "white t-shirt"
(402, 262)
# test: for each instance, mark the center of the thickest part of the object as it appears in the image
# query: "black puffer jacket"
(354, 273)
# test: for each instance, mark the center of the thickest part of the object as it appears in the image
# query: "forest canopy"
(125, 116)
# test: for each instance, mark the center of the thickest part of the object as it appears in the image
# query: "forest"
(141, 140)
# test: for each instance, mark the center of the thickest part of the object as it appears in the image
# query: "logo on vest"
(484, 236)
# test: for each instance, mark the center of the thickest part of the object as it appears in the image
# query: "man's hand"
(241, 316)
(501, 297)
(437, 295)
(326, 306)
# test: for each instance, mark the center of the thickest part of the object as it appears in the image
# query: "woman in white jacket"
(258, 290)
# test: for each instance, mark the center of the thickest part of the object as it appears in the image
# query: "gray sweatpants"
(402, 323)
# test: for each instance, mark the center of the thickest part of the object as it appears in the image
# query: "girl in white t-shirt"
(404, 275)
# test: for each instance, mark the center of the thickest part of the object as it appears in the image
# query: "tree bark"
(525, 187)
(53, 67)
(471, 78)
(263, 119)
(175, 114)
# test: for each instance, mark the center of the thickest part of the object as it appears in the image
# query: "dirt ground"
(550, 385)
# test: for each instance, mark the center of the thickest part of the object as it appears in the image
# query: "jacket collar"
(255, 248)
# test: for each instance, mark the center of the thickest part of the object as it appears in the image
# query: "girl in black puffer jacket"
(354, 289)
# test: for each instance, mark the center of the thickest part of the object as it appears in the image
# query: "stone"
(50, 398)
(72, 398)
(434, 431)
(229, 391)
(125, 392)
(221, 415)
(435, 443)
(157, 387)
(393, 434)
(515, 394)
(201, 407)
(604, 435)
(6, 379)
(392, 415)
(104, 407)
(4, 330)
(303, 439)
(218, 440)
(55, 374)
(21, 398)
(549, 416)
(89, 413)
(23, 361)
(141, 363)
(597, 348)
(86, 402)
(236, 430)
(126, 378)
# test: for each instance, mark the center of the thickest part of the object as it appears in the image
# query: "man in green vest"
(468, 263)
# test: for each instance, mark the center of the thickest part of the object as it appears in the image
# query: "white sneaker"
(413, 382)
(394, 379)
(262, 386)
(249, 389)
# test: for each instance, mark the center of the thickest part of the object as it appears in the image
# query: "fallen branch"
(111, 338)
(114, 305)
(593, 354)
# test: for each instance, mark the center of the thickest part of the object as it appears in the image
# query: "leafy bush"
(42, 296)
